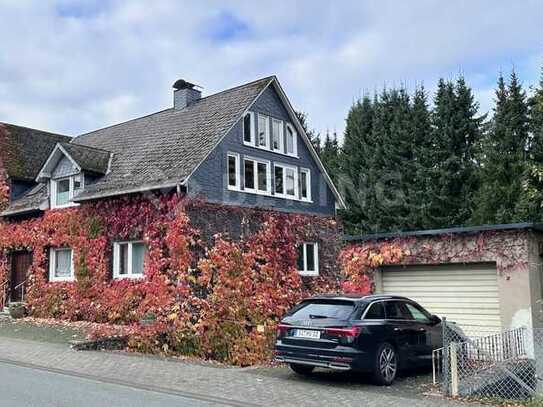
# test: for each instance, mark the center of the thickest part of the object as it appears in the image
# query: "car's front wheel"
(302, 369)
(386, 365)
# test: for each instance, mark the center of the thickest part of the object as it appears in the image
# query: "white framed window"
(277, 136)
(286, 181)
(305, 184)
(291, 141)
(233, 171)
(128, 259)
(63, 190)
(256, 176)
(308, 259)
(263, 135)
(249, 128)
(61, 264)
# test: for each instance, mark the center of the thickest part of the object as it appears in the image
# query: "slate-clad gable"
(64, 168)
(210, 179)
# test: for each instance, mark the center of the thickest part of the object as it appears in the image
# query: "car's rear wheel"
(302, 369)
(386, 365)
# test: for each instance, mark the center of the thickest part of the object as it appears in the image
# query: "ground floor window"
(308, 259)
(128, 259)
(61, 264)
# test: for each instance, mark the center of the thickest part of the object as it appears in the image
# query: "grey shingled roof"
(32, 201)
(165, 147)
(23, 151)
(89, 159)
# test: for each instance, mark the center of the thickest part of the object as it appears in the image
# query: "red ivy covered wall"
(508, 249)
(216, 296)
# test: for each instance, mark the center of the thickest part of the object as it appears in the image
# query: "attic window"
(292, 142)
(64, 190)
(249, 129)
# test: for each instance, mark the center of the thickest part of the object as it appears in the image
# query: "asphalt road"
(29, 387)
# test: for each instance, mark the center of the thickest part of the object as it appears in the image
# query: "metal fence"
(480, 363)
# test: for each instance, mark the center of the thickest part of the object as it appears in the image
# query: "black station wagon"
(378, 334)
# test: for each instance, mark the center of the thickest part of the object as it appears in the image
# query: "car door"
(423, 331)
(400, 330)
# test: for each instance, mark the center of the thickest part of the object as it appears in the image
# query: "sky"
(72, 66)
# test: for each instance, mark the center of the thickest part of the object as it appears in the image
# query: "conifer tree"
(503, 163)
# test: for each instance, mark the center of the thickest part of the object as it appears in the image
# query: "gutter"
(128, 191)
(435, 232)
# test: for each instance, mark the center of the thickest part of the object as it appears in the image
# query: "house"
(239, 148)
(488, 278)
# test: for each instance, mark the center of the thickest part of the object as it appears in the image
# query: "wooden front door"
(20, 263)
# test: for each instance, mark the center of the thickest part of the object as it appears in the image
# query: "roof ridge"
(44, 132)
(87, 147)
(121, 123)
(271, 77)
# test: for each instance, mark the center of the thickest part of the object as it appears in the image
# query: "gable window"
(61, 265)
(308, 259)
(292, 142)
(263, 131)
(249, 129)
(63, 190)
(257, 175)
(305, 184)
(233, 171)
(286, 181)
(277, 135)
(128, 259)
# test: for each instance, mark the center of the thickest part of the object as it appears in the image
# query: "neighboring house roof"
(435, 232)
(34, 200)
(164, 148)
(84, 158)
(23, 151)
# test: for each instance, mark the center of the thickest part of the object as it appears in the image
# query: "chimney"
(185, 94)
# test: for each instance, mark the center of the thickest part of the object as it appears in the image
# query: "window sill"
(269, 150)
(129, 277)
(61, 279)
(70, 205)
(269, 194)
(308, 273)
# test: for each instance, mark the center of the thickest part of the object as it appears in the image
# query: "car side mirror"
(434, 319)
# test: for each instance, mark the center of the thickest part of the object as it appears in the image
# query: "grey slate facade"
(210, 178)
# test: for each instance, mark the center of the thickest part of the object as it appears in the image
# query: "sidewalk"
(228, 386)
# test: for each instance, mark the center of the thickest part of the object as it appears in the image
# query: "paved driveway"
(159, 379)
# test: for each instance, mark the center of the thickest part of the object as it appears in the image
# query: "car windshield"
(323, 309)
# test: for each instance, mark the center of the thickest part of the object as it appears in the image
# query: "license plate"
(306, 333)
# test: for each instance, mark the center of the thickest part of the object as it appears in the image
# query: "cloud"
(74, 66)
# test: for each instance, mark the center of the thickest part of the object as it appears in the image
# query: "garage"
(465, 293)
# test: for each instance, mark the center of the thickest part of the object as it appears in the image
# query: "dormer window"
(63, 190)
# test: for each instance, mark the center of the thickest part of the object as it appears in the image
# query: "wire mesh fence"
(476, 362)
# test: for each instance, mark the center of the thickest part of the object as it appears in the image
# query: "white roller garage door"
(466, 294)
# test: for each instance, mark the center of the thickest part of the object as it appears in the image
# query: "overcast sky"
(74, 66)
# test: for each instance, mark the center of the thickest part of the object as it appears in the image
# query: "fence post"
(454, 370)
(445, 360)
